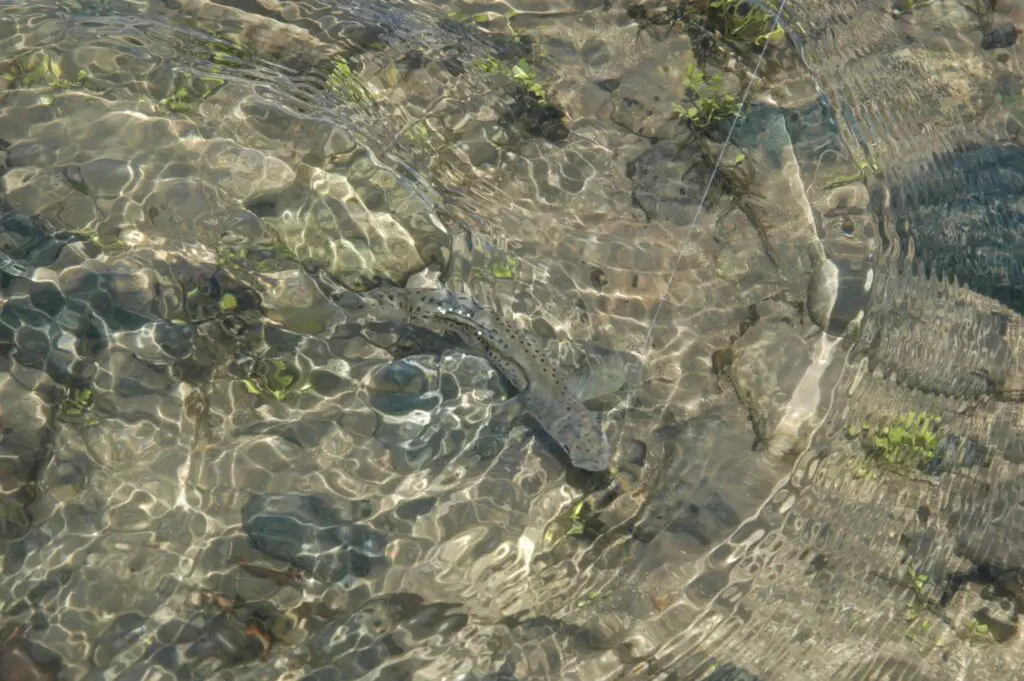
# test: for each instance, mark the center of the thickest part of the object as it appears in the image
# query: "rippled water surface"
(767, 256)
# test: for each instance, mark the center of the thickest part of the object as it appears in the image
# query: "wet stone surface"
(768, 361)
(310, 533)
(175, 177)
(963, 217)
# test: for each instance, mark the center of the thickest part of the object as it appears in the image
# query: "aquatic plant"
(743, 23)
(221, 50)
(866, 168)
(499, 265)
(525, 75)
(708, 104)
(530, 108)
(908, 444)
(492, 23)
(343, 82)
(272, 377)
(40, 69)
(919, 581)
(418, 133)
(255, 258)
(195, 89)
(178, 101)
(76, 404)
(522, 72)
(579, 522)
(977, 632)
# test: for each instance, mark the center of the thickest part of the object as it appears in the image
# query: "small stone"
(1000, 36)
(721, 361)
(22, 660)
(314, 535)
(838, 293)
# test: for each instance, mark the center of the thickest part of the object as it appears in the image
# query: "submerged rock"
(963, 211)
(905, 320)
(770, 360)
(381, 629)
(989, 528)
(669, 180)
(911, 320)
(696, 493)
(730, 672)
(23, 660)
(308, 532)
(838, 294)
(996, 37)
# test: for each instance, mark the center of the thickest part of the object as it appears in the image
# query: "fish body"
(545, 390)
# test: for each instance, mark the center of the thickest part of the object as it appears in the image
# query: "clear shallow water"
(210, 472)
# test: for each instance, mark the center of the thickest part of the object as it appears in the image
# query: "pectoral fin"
(599, 372)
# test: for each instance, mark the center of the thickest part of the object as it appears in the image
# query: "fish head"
(593, 453)
(580, 434)
(381, 304)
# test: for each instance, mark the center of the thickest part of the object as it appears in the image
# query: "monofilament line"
(711, 180)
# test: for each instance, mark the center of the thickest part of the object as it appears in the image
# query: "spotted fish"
(546, 391)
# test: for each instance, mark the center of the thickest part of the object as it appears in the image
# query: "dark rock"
(669, 181)
(688, 496)
(913, 319)
(956, 452)
(965, 213)
(721, 361)
(770, 359)
(399, 388)
(415, 508)
(730, 672)
(1009, 84)
(539, 119)
(1000, 36)
(887, 667)
(839, 291)
(119, 635)
(382, 629)
(506, 672)
(226, 640)
(989, 526)
(311, 534)
(23, 660)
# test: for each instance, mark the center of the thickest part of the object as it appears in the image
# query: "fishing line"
(626, 402)
(711, 181)
(645, 349)
(689, 231)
